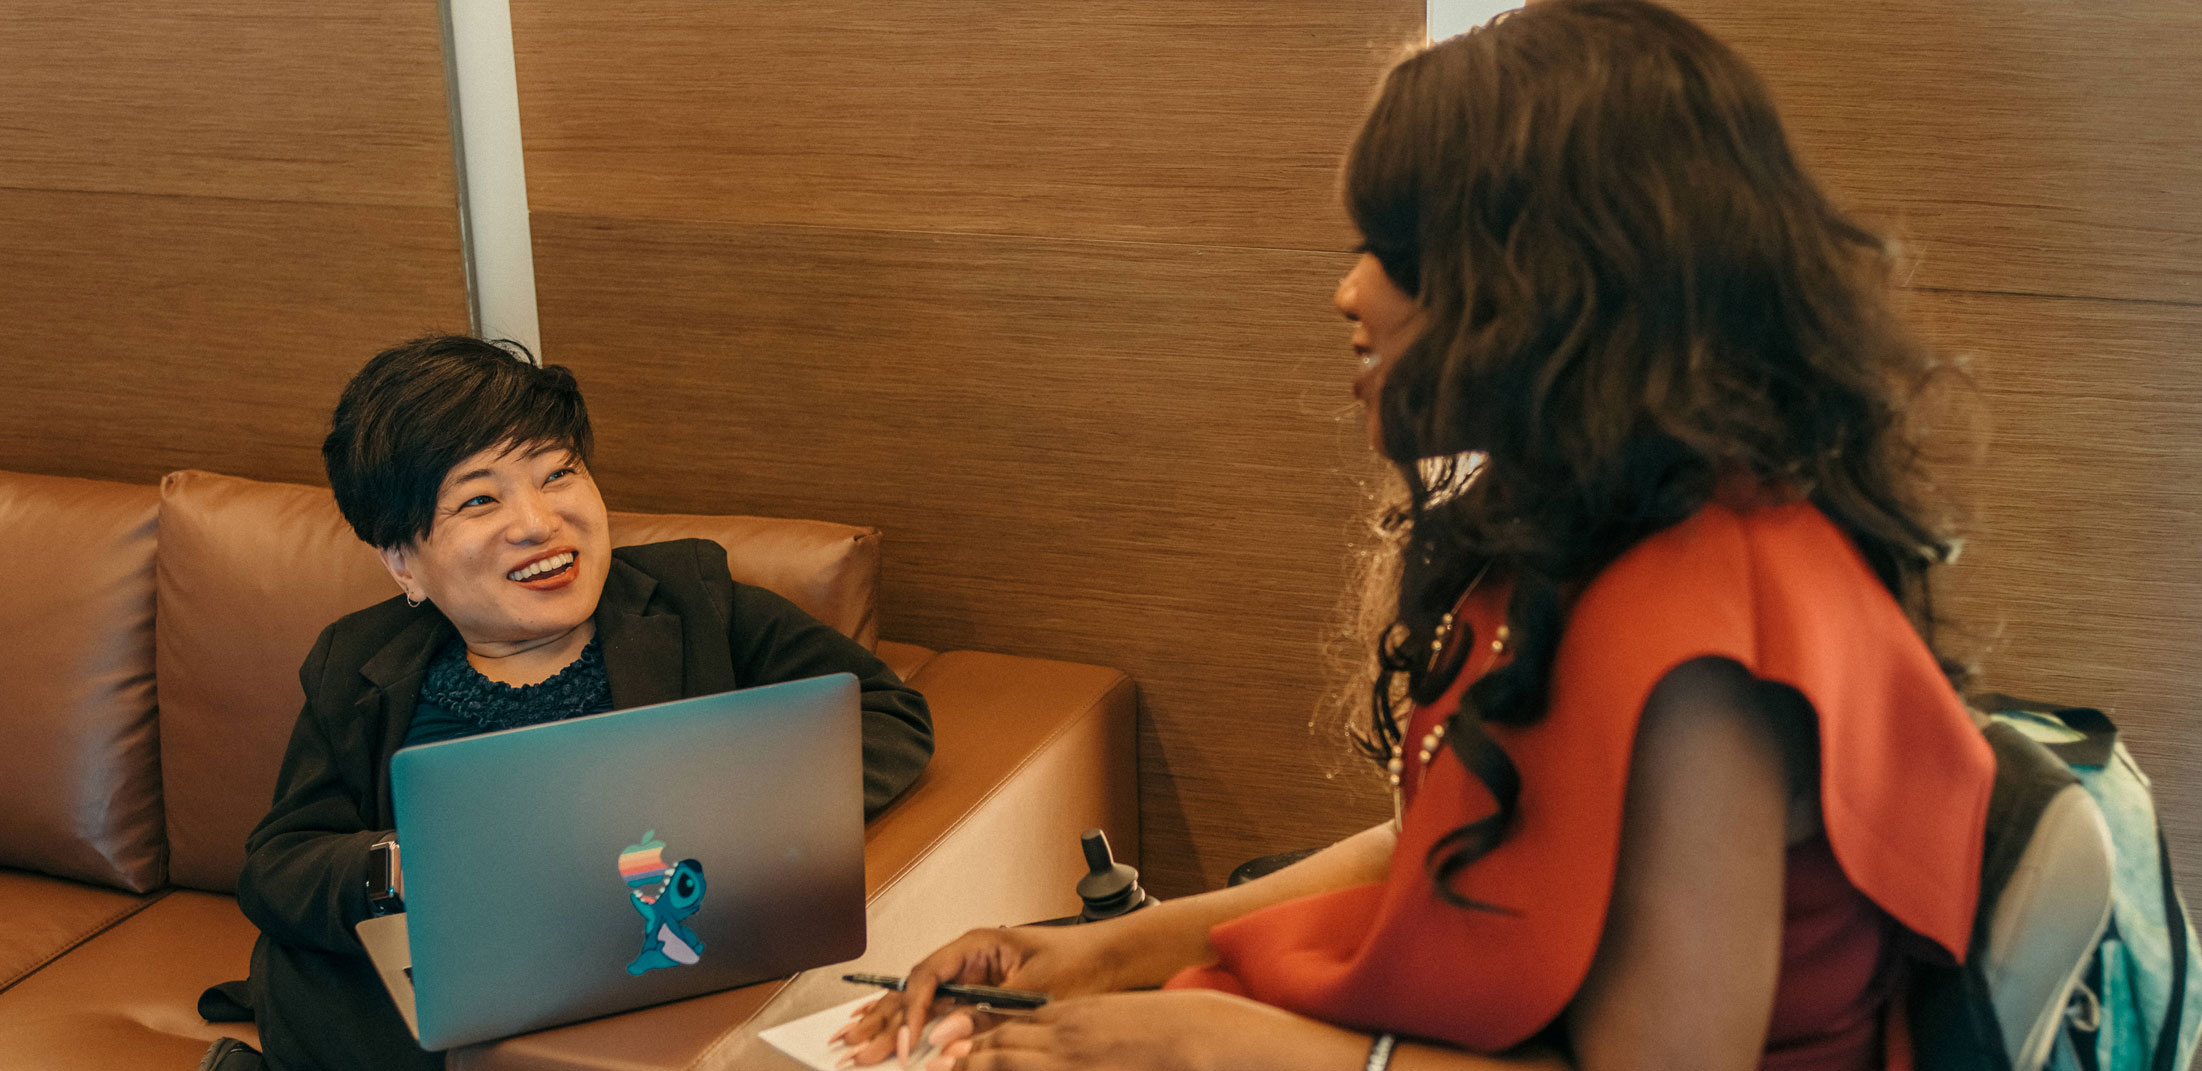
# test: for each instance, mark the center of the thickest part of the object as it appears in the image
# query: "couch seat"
(42, 917)
(128, 998)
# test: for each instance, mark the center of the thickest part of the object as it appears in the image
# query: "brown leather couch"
(149, 645)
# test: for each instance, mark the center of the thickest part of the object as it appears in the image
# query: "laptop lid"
(578, 868)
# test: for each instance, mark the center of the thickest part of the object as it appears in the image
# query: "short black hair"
(419, 408)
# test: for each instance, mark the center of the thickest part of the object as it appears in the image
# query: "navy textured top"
(456, 700)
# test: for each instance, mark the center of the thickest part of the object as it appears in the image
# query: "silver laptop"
(583, 867)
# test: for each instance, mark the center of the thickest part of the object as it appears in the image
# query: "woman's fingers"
(949, 1054)
(875, 1031)
(871, 1034)
(856, 1019)
(985, 957)
(870, 1053)
(890, 1025)
(953, 1028)
(880, 1034)
(1013, 1036)
(1014, 1046)
(948, 1039)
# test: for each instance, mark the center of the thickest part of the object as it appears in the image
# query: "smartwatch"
(385, 882)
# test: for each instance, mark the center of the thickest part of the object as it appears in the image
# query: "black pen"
(985, 996)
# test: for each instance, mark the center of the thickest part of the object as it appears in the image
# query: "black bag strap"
(1952, 1009)
(2098, 734)
(2167, 1040)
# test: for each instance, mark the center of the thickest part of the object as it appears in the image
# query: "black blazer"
(672, 624)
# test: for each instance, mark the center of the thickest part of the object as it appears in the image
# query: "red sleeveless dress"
(1904, 783)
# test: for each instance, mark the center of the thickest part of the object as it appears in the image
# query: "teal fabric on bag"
(2122, 1018)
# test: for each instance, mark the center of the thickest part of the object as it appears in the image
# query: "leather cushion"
(251, 572)
(128, 998)
(79, 778)
(830, 570)
(42, 917)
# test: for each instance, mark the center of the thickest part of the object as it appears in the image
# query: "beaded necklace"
(1432, 741)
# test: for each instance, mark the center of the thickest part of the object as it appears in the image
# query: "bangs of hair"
(1382, 183)
(417, 410)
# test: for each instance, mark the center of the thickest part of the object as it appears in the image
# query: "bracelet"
(1380, 1053)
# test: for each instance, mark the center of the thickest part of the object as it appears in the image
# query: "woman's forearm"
(1290, 1042)
(308, 889)
(1146, 947)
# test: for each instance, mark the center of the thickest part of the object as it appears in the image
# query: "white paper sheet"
(805, 1038)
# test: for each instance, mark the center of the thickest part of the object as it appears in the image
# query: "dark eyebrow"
(463, 477)
(546, 448)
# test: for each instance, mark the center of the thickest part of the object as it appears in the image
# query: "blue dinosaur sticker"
(663, 896)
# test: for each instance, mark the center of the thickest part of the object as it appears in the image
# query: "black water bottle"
(1109, 888)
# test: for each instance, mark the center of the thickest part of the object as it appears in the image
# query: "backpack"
(2125, 1001)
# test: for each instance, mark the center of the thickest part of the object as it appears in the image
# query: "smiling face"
(518, 550)
(1385, 321)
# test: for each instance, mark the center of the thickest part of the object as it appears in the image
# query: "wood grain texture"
(2021, 146)
(148, 334)
(2080, 582)
(1118, 453)
(1130, 453)
(341, 100)
(1219, 122)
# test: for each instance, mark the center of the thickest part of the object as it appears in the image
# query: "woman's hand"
(1194, 1030)
(1178, 1030)
(1138, 950)
(1057, 960)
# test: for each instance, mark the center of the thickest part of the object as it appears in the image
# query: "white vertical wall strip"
(1449, 17)
(493, 187)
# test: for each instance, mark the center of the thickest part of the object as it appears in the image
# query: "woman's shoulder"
(1726, 565)
(354, 645)
(1779, 590)
(1723, 534)
(685, 577)
(1776, 588)
(679, 570)
(697, 558)
(364, 631)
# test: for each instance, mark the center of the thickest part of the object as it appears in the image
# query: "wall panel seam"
(832, 228)
(410, 206)
(2092, 298)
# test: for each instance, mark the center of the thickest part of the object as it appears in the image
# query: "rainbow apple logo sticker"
(663, 896)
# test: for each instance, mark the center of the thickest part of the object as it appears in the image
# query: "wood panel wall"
(2042, 165)
(211, 213)
(1043, 291)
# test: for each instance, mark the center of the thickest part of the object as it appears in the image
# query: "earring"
(412, 602)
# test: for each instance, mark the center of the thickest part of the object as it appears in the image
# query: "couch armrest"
(904, 658)
(1029, 754)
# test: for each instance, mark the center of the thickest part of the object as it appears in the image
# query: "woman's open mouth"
(544, 573)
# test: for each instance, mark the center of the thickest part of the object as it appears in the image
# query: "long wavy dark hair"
(1630, 292)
